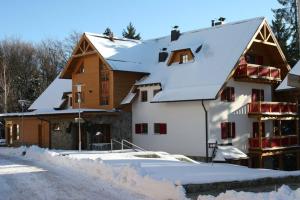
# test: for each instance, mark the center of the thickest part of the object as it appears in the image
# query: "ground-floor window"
(141, 128)
(227, 130)
(160, 128)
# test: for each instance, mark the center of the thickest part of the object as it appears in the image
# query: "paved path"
(23, 179)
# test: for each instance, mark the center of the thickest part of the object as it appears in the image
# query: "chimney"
(163, 55)
(175, 33)
(218, 22)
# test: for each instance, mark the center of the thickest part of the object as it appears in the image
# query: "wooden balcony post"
(260, 132)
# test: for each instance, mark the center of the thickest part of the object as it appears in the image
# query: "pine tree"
(130, 32)
(285, 27)
(108, 32)
(281, 32)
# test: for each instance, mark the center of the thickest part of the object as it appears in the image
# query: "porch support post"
(280, 161)
(260, 161)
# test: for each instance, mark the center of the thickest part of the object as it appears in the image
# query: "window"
(144, 96)
(228, 94)
(141, 128)
(104, 98)
(56, 127)
(184, 58)
(104, 75)
(160, 128)
(77, 95)
(81, 69)
(70, 101)
(227, 130)
(257, 95)
(156, 91)
(16, 132)
(255, 132)
(254, 59)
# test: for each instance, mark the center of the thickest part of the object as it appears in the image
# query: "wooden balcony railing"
(254, 71)
(272, 108)
(276, 141)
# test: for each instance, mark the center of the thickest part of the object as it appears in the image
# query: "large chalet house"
(176, 94)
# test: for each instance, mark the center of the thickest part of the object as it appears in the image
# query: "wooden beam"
(84, 54)
(265, 42)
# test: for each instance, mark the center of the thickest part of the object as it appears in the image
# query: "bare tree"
(71, 41)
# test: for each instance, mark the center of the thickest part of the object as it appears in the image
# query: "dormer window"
(181, 56)
(184, 58)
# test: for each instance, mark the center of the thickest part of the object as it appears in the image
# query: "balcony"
(257, 73)
(272, 108)
(273, 142)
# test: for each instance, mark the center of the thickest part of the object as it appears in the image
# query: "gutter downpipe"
(206, 131)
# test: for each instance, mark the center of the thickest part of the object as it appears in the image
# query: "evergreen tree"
(285, 27)
(130, 32)
(108, 32)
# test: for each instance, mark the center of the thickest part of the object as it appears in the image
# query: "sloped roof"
(222, 47)
(52, 97)
(284, 84)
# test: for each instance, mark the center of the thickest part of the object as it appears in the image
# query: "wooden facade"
(32, 131)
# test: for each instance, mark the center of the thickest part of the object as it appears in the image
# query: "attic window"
(81, 69)
(184, 58)
(199, 49)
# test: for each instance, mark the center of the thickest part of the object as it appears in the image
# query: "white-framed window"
(184, 58)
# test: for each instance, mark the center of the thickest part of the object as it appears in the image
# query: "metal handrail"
(116, 141)
(140, 148)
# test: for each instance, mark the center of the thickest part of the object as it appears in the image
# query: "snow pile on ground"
(125, 177)
(284, 193)
(177, 169)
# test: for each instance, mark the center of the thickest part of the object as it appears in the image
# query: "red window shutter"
(232, 94)
(163, 128)
(223, 95)
(138, 128)
(232, 130)
(224, 129)
(254, 95)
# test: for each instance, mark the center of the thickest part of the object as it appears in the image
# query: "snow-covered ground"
(284, 193)
(163, 166)
(43, 174)
(117, 175)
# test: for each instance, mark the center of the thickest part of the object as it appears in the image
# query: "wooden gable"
(265, 41)
(83, 48)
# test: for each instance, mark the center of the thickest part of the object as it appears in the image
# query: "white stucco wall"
(186, 121)
(236, 111)
(185, 125)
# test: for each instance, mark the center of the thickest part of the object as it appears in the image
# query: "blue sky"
(34, 20)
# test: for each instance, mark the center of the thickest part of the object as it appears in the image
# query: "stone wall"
(65, 138)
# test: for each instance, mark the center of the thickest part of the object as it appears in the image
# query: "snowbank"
(125, 177)
(284, 193)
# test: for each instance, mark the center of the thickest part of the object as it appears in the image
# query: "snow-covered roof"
(229, 153)
(221, 49)
(53, 112)
(284, 84)
(52, 97)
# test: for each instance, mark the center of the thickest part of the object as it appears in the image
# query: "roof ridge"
(107, 37)
(207, 28)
